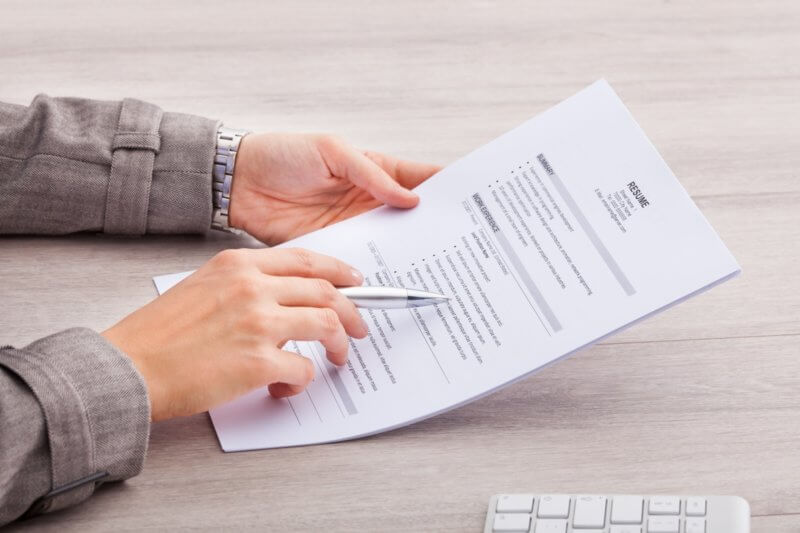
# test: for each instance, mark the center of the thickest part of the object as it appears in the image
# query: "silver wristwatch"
(228, 140)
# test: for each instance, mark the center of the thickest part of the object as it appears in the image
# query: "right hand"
(218, 333)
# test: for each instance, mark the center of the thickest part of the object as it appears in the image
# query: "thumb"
(346, 162)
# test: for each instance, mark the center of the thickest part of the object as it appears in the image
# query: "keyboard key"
(553, 506)
(695, 525)
(663, 524)
(511, 522)
(626, 529)
(515, 503)
(590, 511)
(665, 505)
(695, 506)
(549, 525)
(627, 510)
(597, 513)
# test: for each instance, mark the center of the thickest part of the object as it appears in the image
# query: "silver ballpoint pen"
(391, 297)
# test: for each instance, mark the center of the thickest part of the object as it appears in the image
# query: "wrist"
(117, 337)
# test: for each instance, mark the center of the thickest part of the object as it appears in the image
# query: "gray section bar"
(526, 279)
(345, 395)
(598, 244)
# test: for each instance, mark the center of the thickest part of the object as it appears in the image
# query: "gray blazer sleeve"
(74, 411)
(72, 408)
(70, 164)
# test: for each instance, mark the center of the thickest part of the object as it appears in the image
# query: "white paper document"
(552, 236)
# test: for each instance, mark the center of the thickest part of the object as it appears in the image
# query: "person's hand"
(218, 333)
(287, 185)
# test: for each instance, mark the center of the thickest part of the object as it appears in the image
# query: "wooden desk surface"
(702, 399)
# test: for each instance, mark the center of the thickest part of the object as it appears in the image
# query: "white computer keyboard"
(585, 513)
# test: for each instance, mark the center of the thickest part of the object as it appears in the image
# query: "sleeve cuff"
(180, 197)
(160, 176)
(95, 406)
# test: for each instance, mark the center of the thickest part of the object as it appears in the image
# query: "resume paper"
(558, 233)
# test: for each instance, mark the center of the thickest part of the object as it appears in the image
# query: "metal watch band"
(228, 140)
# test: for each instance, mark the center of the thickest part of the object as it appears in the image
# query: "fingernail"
(364, 326)
(358, 276)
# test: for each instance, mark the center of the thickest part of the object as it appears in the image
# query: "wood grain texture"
(704, 398)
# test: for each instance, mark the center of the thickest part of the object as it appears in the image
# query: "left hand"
(286, 185)
(220, 332)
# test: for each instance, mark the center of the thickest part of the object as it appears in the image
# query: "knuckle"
(255, 321)
(374, 156)
(230, 258)
(304, 259)
(328, 142)
(353, 311)
(342, 270)
(327, 291)
(329, 320)
(245, 287)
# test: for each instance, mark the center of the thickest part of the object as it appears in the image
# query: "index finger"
(306, 264)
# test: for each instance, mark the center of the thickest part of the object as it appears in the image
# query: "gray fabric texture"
(56, 164)
(132, 168)
(71, 404)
